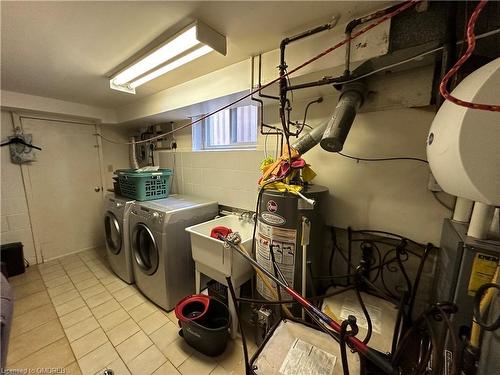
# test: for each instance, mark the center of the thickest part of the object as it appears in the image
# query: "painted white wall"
(115, 156)
(51, 106)
(389, 196)
(15, 220)
(236, 78)
(15, 215)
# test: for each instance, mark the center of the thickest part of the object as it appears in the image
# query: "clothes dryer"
(161, 248)
(116, 227)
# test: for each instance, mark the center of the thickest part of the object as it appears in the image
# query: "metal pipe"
(339, 125)
(132, 154)
(273, 130)
(283, 83)
(323, 81)
(347, 69)
(449, 47)
(260, 83)
(309, 140)
(353, 342)
(306, 227)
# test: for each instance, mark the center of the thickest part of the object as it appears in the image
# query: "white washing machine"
(161, 248)
(116, 227)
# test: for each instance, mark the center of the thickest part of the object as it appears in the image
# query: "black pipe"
(260, 83)
(273, 130)
(243, 339)
(416, 283)
(449, 48)
(321, 82)
(282, 70)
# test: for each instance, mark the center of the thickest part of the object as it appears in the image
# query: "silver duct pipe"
(132, 156)
(311, 139)
(333, 133)
(339, 125)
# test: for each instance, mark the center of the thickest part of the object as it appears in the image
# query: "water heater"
(279, 228)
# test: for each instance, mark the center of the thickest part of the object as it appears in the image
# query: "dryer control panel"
(148, 214)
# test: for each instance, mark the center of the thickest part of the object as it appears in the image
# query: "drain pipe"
(463, 210)
(132, 155)
(480, 223)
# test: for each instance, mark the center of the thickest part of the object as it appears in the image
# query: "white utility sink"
(211, 258)
(210, 253)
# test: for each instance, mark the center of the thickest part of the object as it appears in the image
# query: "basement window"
(231, 129)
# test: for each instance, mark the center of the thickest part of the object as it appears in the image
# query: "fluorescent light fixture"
(191, 43)
(171, 66)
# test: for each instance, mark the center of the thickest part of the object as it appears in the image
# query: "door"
(64, 187)
(113, 232)
(144, 248)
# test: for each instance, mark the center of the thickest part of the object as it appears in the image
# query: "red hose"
(471, 45)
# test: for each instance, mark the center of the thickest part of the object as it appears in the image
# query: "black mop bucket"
(204, 323)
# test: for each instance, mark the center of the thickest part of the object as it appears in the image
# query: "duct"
(340, 123)
(332, 134)
(309, 140)
(132, 155)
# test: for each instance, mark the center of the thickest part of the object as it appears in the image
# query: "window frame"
(234, 145)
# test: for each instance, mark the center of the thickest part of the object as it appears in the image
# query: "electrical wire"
(287, 302)
(471, 45)
(382, 159)
(479, 307)
(390, 234)
(402, 8)
(366, 314)
(484, 35)
(381, 265)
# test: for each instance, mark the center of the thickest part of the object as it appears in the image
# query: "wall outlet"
(432, 184)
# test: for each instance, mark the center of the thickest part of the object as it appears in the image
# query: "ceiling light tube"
(171, 66)
(168, 56)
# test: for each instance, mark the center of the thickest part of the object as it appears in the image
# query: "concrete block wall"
(15, 220)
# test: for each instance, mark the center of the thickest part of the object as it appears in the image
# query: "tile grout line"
(106, 333)
(96, 319)
(99, 276)
(57, 318)
(79, 296)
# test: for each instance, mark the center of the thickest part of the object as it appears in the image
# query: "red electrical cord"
(395, 12)
(471, 45)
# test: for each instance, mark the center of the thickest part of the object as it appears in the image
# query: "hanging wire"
(382, 19)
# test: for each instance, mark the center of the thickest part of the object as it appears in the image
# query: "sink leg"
(197, 281)
(234, 316)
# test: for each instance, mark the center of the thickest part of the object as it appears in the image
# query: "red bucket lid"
(196, 298)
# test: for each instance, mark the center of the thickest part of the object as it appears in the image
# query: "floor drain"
(108, 372)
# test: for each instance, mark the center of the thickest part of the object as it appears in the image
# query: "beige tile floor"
(74, 313)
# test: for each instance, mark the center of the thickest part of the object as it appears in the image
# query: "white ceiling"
(63, 50)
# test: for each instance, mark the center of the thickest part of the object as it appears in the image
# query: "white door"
(65, 187)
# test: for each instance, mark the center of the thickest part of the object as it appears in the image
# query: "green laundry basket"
(144, 186)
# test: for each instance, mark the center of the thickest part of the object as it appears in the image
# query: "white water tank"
(463, 145)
